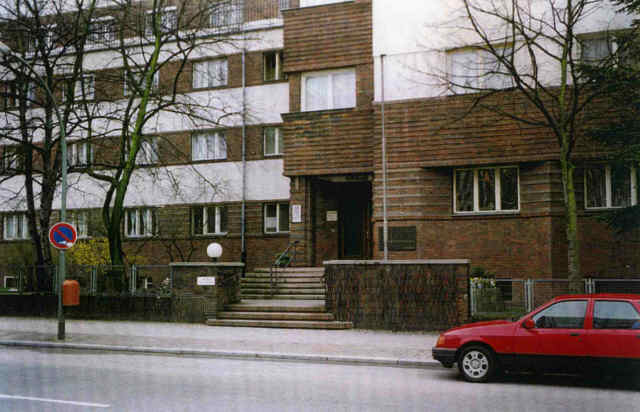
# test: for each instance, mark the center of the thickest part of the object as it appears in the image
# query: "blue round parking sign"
(63, 235)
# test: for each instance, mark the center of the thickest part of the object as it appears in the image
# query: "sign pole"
(62, 236)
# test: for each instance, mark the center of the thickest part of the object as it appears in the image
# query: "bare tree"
(151, 39)
(40, 35)
(527, 55)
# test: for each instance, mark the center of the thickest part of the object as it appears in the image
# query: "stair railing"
(283, 261)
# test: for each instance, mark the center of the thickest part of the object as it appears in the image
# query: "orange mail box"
(70, 293)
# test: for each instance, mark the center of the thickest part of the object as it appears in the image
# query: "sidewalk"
(348, 346)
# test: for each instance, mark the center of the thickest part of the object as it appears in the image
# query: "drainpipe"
(385, 223)
(243, 254)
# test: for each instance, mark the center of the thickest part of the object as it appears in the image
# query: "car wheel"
(476, 364)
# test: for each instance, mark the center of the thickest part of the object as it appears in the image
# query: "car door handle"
(574, 334)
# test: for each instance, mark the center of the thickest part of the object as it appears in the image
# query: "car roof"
(630, 296)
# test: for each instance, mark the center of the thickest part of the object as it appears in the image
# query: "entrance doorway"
(354, 220)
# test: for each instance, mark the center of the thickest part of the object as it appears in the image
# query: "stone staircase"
(298, 302)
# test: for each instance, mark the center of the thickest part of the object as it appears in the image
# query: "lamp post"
(6, 51)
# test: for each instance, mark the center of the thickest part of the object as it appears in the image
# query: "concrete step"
(285, 290)
(278, 306)
(294, 324)
(309, 316)
(280, 296)
(292, 269)
(266, 279)
(283, 275)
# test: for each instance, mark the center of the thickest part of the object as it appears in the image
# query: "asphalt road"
(76, 381)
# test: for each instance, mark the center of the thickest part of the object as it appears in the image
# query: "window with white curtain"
(148, 152)
(168, 20)
(474, 68)
(486, 190)
(102, 30)
(596, 48)
(276, 217)
(133, 82)
(80, 219)
(79, 153)
(140, 222)
(208, 146)
(15, 226)
(212, 73)
(226, 13)
(327, 90)
(207, 220)
(607, 186)
(273, 145)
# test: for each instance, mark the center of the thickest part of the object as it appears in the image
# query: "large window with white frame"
(486, 190)
(226, 13)
(102, 31)
(273, 66)
(208, 146)
(148, 152)
(273, 145)
(168, 20)
(81, 89)
(276, 217)
(133, 82)
(15, 226)
(79, 154)
(210, 73)
(335, 89)
(140, 222)
(473, 69)
(611, 186)
(209, 220)
(596, 48)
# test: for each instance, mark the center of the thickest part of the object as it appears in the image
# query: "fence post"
(133, 279)
(93, 283)
(473, 298)
(528, 287)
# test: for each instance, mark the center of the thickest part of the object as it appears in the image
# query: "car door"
(614, 336)
(558, 339)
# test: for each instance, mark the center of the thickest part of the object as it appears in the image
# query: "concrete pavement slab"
(348, 346)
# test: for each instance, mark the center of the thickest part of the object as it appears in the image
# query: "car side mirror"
(529, 324)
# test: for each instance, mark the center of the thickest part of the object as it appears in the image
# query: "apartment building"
(324, 81)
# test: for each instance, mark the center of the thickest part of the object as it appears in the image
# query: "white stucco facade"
(415, 37)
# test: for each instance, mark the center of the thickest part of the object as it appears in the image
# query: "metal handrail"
(277, 264)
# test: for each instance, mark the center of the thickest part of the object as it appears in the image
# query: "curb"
(407, 363)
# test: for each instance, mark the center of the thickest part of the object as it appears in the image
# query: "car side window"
(562, 315)
(615, 315)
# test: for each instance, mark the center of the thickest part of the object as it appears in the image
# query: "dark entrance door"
(354, 220)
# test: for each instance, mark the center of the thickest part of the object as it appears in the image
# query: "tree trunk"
(576, 284)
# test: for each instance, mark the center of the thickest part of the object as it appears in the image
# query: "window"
(474, 68)
(208, 146)
(12, 160)
(212, 73)
(486, 190)
(273, 66)
(611, 186)
(208, 220)
(168, 20)
(79, 154)
(80, 219)
(133, 82)
(273, 145)
(46, 34)
(14, 90)
(140, 222)
(562, 315)
(276, 217)
(329, 90)
(15, 226)
(615, 315)
(226, 13)
(102, 31)
(82, 89)
(595, 49)
(307, 3)
(11, 283)
(148, 152)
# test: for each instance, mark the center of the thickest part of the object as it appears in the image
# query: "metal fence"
(133, 280)
(509, 298)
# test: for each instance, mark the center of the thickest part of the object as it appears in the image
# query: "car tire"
(477, 364)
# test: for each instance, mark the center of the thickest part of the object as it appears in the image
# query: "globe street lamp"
(7, 52)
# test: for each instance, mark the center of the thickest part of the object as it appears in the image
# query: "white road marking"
(29, 398)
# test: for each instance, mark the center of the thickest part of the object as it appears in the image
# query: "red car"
(574, 333)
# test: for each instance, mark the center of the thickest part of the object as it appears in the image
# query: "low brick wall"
(399, 295)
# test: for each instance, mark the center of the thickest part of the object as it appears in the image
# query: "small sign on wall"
(206, 281)
(296, 213)
(332, 215)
